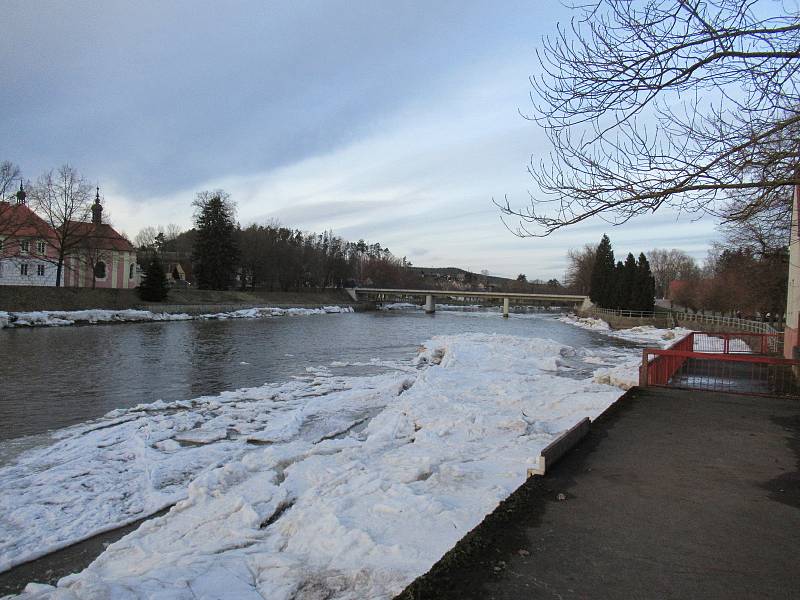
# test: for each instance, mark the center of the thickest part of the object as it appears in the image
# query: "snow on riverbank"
(55, 318)
(585, 322)
(622, 370)
(623, 376)
(400, 306)
(133, 462)
(316, 488)
(643, 334)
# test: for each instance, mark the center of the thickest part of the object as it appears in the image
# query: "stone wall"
(618, 322)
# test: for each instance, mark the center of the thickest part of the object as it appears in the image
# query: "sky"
(395, 123)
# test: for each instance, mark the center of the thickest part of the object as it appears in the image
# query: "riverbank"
(29, 299)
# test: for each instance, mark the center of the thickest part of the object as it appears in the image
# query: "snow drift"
(56, 318)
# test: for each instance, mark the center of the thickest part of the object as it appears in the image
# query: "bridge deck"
(468, 294)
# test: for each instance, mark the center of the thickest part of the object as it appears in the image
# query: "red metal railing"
(730, 362)
(661, 367)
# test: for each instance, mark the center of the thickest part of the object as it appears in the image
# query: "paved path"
(673, 494)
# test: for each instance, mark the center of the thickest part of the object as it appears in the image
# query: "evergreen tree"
(625, 285)
(216, 254)
(154, 284)
(602, 281)
(615, 296)
(645, 285)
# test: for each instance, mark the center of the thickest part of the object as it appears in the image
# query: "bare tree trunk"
(59, 269)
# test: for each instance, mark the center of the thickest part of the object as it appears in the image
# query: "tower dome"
(21, 195)
(97, 209)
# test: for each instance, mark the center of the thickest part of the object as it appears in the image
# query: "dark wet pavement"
(673, 494)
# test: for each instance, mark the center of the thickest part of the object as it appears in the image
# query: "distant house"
(175, 271)
(27, 254)
(178, 272)
(104, 258)
(177, 266)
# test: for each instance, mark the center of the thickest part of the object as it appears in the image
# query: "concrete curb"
(570, 438)
(560, 446)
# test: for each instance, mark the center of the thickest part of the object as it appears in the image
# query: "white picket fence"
(732, 322)
(674, 316)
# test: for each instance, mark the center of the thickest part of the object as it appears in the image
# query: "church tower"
(97, 209)
(21, 195)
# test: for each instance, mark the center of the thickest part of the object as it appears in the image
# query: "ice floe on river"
(326, 486)
(55, 318)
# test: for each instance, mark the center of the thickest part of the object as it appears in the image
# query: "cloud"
(425, 180)
(397, 125)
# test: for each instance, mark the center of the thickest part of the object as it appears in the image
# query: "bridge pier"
(505, 308)
(430, 304)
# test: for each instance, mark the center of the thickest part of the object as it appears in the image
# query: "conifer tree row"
(622, 286)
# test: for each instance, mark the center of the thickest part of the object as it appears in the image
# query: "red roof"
(102, 236)
(20, 221)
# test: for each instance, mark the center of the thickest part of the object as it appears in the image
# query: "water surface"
(59, 376)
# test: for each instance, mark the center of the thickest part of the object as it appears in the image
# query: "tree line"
(621, 285)
(268, 256)
(736, 281)
(746, 273)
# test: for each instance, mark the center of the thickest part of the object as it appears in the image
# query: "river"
(59, 376)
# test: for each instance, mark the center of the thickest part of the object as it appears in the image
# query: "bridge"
(400, 295)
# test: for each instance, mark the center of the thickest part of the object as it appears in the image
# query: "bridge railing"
(572, 298)
(623, 313)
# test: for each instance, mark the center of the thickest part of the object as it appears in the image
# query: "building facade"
(99, 256)
(103, 257)
(27, 253)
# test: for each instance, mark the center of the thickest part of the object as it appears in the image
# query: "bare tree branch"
(654, 103)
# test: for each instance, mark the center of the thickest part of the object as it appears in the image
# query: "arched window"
(100, 270)
(132, 271)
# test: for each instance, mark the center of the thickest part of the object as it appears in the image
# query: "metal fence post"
(643, 370)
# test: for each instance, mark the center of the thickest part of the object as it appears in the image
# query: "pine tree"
(602, 281)
(645, 285)
(627, 284)
(154, 284)
(216, 253)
